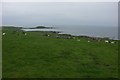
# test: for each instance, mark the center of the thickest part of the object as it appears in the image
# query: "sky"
(60, 0)
(30, 14)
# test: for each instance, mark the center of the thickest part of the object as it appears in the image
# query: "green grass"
(38, 56)
(0, 52)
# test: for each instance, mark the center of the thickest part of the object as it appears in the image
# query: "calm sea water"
(111, 32)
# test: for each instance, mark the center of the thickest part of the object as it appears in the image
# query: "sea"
(108, 32)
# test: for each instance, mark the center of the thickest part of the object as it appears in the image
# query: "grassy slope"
(38, 56)
(0, 52)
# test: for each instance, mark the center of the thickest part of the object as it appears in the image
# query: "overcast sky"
(60, 13)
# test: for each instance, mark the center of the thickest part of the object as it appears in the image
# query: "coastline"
(58, 32)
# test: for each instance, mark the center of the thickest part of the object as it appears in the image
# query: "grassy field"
(39, 56)
(0, 52)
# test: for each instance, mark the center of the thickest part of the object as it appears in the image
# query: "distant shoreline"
(57, 32)
(60, 32)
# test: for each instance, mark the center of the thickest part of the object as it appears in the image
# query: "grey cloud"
(77, 13)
